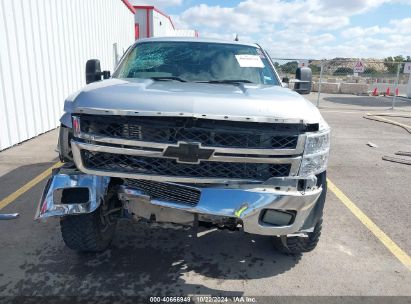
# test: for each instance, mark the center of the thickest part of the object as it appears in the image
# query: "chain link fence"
(350, 76)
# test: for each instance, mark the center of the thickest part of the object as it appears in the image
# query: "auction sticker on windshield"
(249, 61)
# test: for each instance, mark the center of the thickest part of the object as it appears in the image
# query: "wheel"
(91, 232)
(296, 245)
(65, 153)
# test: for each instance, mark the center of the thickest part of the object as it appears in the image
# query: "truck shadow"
(149, 261)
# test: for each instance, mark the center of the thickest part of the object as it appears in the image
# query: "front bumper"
(244, 203)
(49, 205)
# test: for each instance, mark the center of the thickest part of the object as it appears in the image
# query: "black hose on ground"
(377, 117)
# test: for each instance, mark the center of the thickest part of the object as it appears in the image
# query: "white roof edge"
(195, 39)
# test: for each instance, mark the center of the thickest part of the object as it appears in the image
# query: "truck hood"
(172, 98)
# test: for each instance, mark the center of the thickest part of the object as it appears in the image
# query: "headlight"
(315, 156)
(313, 164)
(76, 126)
(317, 143)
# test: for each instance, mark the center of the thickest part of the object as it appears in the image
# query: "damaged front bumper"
(245, 204)
(71, 193)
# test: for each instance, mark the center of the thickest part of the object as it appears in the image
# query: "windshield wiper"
(160, 78)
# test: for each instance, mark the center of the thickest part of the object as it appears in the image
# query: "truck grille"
(207, 132)
(166, 191)
(169, 167)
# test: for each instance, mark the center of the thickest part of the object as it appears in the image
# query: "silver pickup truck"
(190, 132)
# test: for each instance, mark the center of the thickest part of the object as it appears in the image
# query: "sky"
(313, 29)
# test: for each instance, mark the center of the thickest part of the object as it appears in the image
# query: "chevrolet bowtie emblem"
(188, 153)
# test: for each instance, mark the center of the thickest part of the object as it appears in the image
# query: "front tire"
(91, 232)
(296, 244)
(64, 146)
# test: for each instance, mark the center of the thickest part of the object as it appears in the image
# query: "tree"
(392, 65)
(289, 67)
(370, 71)
(315, 69)
(343, 71)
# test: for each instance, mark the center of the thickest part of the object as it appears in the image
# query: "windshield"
(197, 62)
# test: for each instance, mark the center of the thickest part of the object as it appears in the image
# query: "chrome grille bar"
(144, 144)
(78, 147)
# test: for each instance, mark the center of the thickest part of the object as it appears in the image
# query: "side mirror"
(93, 71)
(286, 80)
(303, 79)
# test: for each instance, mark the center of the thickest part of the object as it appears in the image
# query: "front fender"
(60, 197)
(65, 120)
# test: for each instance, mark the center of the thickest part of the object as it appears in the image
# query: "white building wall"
(141, 20)
(44, 46)
(162, 27)
(158, 24)
(185, 33)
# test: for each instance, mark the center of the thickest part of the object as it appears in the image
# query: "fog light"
(278, 218)
(75, 195)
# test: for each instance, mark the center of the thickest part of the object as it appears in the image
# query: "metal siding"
(141, 18)
(163, 30)
(4, 130)
(35, 55)
(8, 73)
(5, 136)
(28, 71)
(44, 46)
(23, 101)
(45, 77)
